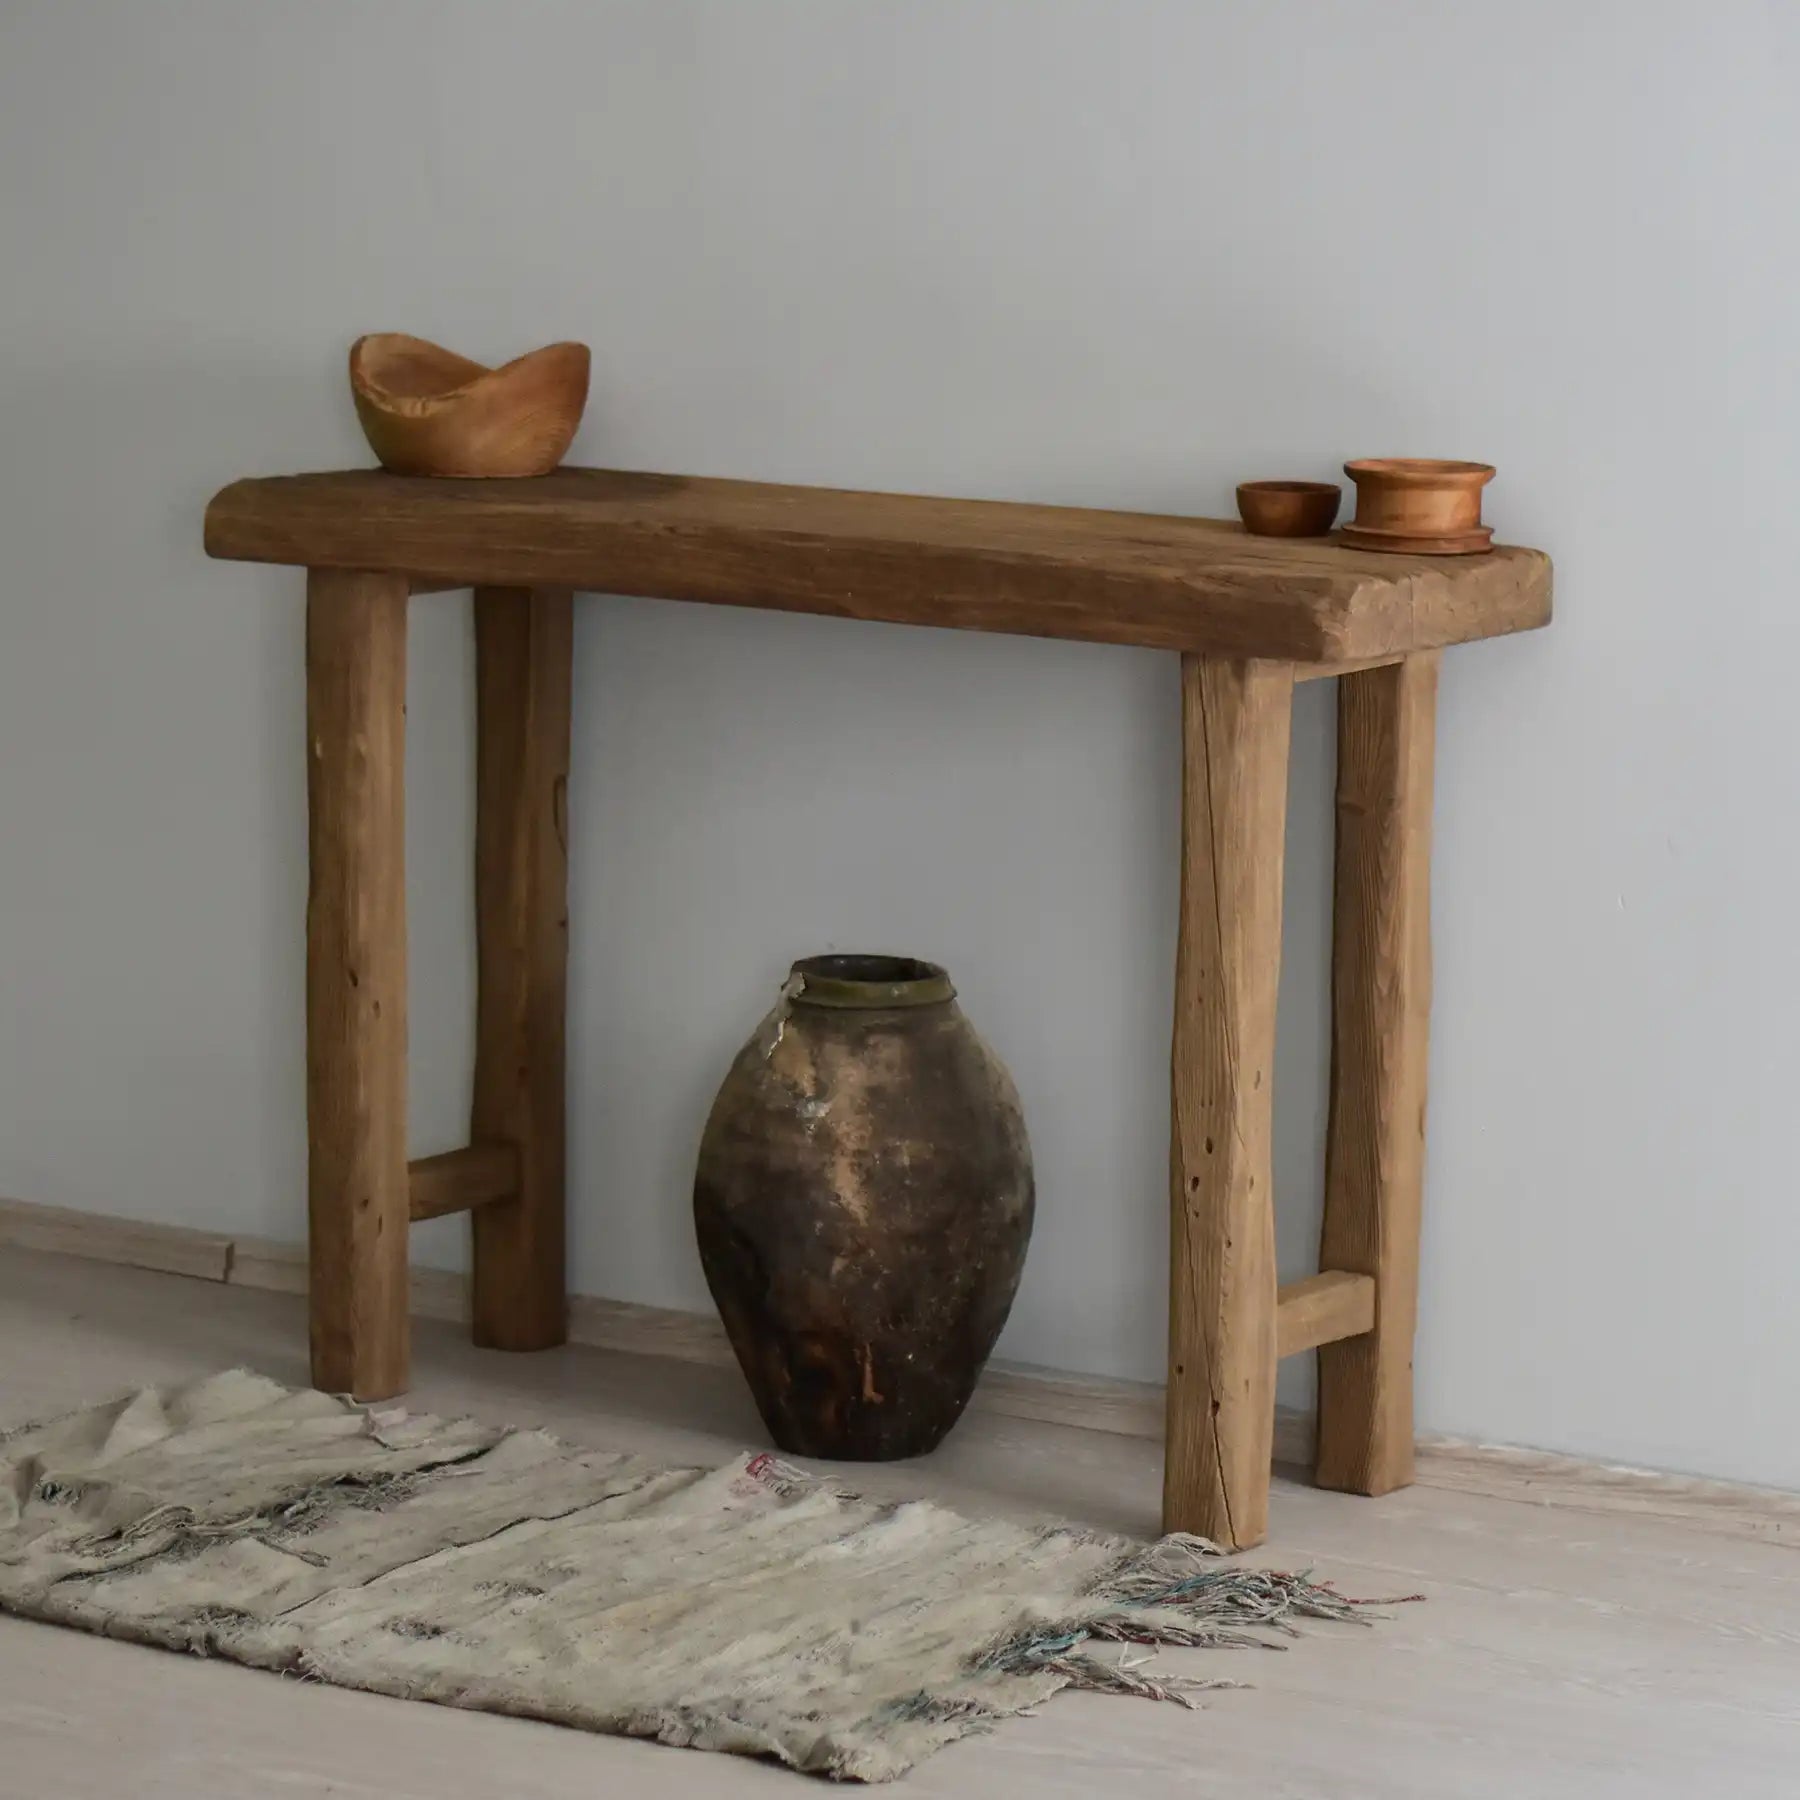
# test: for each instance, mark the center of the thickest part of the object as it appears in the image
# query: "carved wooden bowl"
(427, 411)
(1288, 508)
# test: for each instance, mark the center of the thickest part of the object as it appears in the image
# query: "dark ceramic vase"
(863, 1203)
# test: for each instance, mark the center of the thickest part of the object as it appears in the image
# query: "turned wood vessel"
(863, 1203)
(1419, 505)
(427, 411)
(1288, 508)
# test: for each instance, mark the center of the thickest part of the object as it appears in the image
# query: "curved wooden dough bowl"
(427, 411)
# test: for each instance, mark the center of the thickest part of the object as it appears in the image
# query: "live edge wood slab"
(1248, 616)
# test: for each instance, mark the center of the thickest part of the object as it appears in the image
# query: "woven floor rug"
(749, 1608)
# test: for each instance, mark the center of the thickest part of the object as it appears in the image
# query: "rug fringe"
(1177, 1594)
(1188, 1573)
(1097, 1676)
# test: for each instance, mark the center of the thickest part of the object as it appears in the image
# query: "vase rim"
(858, 979)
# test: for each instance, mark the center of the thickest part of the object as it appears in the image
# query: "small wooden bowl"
(1419, 504)
(427, 411)
(1288, 508)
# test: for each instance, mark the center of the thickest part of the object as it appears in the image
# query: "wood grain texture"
(275, 1267)
(460, 1180)
(1221, 1390)
(356, 980)
(1380, 1007)
(1044, 571)
(1325, 671)
(523, 646)
(1322, 1308)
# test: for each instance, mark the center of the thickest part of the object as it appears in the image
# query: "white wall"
(1088, 252)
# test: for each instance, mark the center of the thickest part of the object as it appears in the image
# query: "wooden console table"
(1248, 616)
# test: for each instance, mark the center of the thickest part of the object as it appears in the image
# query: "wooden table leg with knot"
(357, 1184)
(1235, 718)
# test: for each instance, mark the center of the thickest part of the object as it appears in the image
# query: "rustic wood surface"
(1615, 1642)
(1221, 1391)
(460, 1180)
(523, 646)
(356, 980)
(1331, 671)
(1250, 616)
(1111, 577)
(1381, 1004)
(1322, 1308)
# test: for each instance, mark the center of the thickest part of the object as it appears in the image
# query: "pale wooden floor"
(1559, 1653)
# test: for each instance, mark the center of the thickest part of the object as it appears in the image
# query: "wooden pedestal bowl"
(1418, 504)
(427, 411)
(1288, 508)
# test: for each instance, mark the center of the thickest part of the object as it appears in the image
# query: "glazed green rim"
(853, 980)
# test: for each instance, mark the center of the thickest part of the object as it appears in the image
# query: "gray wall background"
(1048, 249)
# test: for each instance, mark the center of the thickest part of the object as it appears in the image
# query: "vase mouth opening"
(862, 980)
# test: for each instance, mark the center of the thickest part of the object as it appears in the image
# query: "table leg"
(522, 647)
(356, 981)
(1221, 1394)
(1381, 1000)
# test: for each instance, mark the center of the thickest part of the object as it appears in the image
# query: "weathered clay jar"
(863, 1203)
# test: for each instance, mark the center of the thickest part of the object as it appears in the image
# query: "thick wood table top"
(1038, 571)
